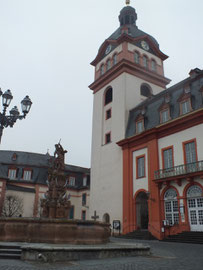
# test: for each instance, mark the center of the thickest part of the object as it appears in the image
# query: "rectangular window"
(171, 212)
(108, 114)
(140, 166)
(27, 175)
(185, 107)
(164, 116)
(168, 158)
(84, 198)
(72, 181)
(83, 215)
(107, 137)
(12, 173)
(139, 126)
(190, 152)
(84, 181)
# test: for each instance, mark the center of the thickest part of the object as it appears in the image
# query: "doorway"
(142, 217)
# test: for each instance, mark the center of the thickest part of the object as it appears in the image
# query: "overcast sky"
(45, 50)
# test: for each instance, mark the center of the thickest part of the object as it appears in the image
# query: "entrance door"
(142, 210)
(195, 208)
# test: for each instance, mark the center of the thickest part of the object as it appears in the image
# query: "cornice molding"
(126, 38)
(131, 68)
(176, 125)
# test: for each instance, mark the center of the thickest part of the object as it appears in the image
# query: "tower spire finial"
(127, 2)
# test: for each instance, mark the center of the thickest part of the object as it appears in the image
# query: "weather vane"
(127, 2)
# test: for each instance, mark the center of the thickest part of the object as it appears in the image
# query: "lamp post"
(9, 120)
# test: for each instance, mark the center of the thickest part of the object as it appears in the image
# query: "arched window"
(115, 59)
(194, 191)
(153, 65)
(145, 61)
(137, 57)
(171, 206)
(102, 69)
(108, 64)
(108, 96)
(195, 207)
(145, 90)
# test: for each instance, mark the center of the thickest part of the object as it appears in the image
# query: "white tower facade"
(128, 70)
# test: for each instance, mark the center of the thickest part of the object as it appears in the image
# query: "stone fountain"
(54, 227)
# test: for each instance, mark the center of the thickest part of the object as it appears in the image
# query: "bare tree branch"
(13, 206)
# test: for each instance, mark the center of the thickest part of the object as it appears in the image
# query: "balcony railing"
(179, 170)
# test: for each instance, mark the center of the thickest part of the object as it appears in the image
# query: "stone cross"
(95, 217)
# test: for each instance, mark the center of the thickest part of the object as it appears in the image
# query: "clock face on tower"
(145, 45)
(108, 49)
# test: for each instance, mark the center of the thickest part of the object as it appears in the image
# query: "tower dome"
(127, 15)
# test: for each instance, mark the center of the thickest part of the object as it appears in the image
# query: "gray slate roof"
(134, 32)
(152, 104)
(39, 163)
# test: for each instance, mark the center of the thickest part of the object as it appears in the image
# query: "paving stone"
(167, 256)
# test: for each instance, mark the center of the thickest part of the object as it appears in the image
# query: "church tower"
(128, 70)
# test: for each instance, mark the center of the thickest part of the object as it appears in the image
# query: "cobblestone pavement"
(164, 256)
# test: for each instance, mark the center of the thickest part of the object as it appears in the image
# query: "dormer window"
(139, 126)
(164, 115)
(137, 57)
(145, 61)
(164, 110)
(12, 174)
(102, 69)
(72, 181)
(139, 123)
(153, 65)
(185, 106)
(185, 102)
(84, 182)
(108, 64)
(27, 174)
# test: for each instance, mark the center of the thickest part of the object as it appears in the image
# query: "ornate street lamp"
(9, 120)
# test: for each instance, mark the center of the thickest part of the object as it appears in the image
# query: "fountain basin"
(55, 231)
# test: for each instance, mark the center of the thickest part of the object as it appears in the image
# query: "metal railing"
(179, 170)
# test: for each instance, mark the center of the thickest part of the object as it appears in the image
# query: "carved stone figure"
(56, 204)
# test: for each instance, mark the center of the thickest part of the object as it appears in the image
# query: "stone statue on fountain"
(56, 203)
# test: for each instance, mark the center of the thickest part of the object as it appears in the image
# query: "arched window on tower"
(145, 61)
(145, 90)
(153, 65)
(115, 59)
(108, 96)
(136, 57)
(102, 69)
(108, 64)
